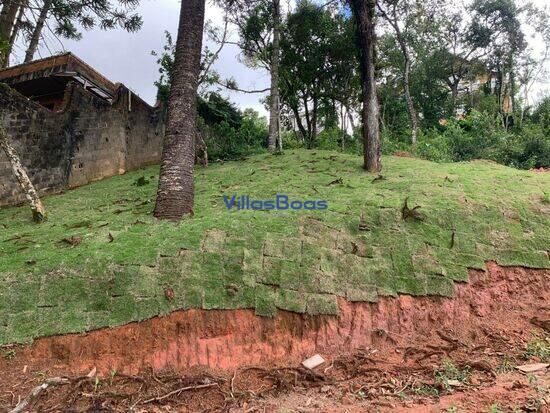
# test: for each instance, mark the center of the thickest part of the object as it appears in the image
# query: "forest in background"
(452, 85)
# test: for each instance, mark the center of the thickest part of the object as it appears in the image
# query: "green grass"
(297, 261)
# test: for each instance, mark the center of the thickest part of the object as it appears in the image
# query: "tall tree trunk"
(274, 94)
(7, 22)
(37, 32)
(408, 98)
(363, 11)
(14, 33)
(175, 195)
(38, 211)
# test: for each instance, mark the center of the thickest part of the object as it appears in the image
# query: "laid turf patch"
(127, 266)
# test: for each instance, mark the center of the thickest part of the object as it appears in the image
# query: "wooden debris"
(313, 362)
(532, 368)
(338, 181)
(362, 223)
(413, 213)
(169, 294)
(178, 391)
(35, 393)
(72, 241)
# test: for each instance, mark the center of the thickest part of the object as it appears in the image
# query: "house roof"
(61, 67)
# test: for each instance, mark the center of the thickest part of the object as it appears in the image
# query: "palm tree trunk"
(37, 32)
(175, 195)
(38, 211)
(363, 11)
(274, 93)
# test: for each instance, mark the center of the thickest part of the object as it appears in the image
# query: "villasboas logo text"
(281, 202)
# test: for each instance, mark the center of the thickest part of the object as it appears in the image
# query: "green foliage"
(330, 139)
(481, 135)
(318, 68)
(227, 132)
(434, 146)
(539, 348)
(215, 109)
(541, 115)
(230, 134)
(448, 371)
(70, 16)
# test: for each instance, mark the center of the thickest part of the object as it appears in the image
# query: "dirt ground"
(468, 365)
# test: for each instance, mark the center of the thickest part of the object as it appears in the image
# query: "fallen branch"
(413, 213)
(37, 391)
(160, 398)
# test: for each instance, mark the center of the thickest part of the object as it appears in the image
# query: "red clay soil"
(492, 316)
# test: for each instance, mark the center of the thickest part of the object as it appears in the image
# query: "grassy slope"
(264, 260)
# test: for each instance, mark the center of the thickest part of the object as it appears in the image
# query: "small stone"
(313, 362)
(454, 383)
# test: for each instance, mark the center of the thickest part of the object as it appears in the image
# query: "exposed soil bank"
(499, 298)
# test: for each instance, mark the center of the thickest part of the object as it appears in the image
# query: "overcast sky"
(126, 57)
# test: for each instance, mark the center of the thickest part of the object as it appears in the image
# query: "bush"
(433, 146)
(329, 139)
(225, 141)
(530, 148)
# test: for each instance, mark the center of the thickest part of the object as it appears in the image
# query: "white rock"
(313, 362)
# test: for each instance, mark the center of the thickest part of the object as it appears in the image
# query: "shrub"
(433, 146)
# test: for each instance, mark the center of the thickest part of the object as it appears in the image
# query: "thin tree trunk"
(408, 98)
(314, 124)
(343, 127)
(350, 118)
(299, 123)
(175, 195)
(38, 211)
(15, 32)
(363, 11)
(37, 32)
(274, 94)
(394, 22)
(279, 134)
(7, 23)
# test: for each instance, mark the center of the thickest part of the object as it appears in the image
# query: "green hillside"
(101, 259)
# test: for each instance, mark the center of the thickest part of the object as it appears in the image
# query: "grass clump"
(538, 348)
(449, 371)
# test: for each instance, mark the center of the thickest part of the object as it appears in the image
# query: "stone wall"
(89, 139)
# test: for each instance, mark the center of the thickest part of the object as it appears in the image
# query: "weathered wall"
(88, 139)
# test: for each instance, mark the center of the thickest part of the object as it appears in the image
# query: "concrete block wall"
(89, 139)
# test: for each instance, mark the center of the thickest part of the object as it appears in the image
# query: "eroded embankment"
(498, 299)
